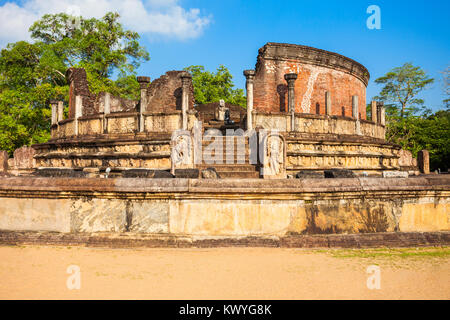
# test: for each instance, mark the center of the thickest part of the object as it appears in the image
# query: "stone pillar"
(355, 114)
(355, 107)
(4, 161)
(186, 79)
(328, 103)
(54, 104)
(60, 111)
(290, 78)
(249, 76)
(143, 84)
(374, 112)
(78, 111)
(106, 111)
(423, 161)
(381, 113)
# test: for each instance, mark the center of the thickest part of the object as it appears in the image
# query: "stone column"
(374, 112)
(381, 113)
(423, 161)
(186, 79)
(54, 104)
(78, 111)
(4, 161)
(328, 103)
(106, 111)
(143, 84)
(250, 77)
(290, 78)
(60, 111)
(355, 113)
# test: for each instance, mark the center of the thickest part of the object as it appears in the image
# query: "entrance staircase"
(235, 162)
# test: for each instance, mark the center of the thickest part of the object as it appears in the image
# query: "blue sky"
(196, 32)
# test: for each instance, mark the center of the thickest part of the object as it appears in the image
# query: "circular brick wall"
(318, 71)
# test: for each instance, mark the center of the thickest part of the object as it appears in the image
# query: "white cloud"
(151, 17)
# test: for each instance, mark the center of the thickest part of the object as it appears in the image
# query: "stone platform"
(108, 240)
(229, 208)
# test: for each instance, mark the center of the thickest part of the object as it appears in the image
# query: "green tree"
(33, 73)
(211, 87)
(408, 122)
(446, 78)
(401, 87)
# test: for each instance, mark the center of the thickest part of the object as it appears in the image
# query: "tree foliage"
(408, 122)
(425, 131)
(211, 87)
(401, 87)
(33, 73)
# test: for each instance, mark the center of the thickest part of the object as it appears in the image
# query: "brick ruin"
(318, 72)
(313, 99)
(109, 167)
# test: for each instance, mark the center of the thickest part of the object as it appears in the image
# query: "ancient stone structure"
(423, 158)
(314, 98)
(302, 158)
(319, 71)
(225, 208)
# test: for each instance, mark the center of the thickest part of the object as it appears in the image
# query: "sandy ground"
(40, 272)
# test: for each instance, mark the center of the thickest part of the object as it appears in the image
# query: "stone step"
(244, 159)
(228, 167)
(238, 174)
(225, 153)
(225, 139)
(222, 129)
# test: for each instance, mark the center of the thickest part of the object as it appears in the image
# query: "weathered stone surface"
(138, 173)
(406, 159)
(35, 214)
(210, 173)
(423, 159)
(24, 158)
(395, 174)
(146, 173)
(309, 175)
(187, 173)
(339, 173)
(226, 207)
(98, 215)
(148, 217)
(367, 240)
(162, 174)
(60, 172)
(4, 161)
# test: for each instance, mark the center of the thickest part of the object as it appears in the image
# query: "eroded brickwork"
(318, 71)
(92, 103)
(164, 93)
(78, 86)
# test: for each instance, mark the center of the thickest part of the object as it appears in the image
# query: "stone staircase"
(235, 162)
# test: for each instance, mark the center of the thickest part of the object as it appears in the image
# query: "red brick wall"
(270, 87)
(164, 93)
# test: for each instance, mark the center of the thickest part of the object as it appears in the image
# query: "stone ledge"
(219, 188)
(129, 240)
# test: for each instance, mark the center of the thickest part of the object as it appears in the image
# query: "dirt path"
(39, 272)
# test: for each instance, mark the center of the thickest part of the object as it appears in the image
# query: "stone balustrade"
(318, 123)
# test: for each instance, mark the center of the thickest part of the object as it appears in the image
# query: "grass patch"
(403, 253)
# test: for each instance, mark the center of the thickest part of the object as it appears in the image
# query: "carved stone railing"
(312, 123)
